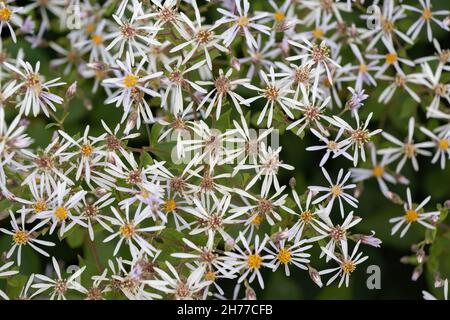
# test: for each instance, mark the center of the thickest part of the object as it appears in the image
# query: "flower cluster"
(183, 193)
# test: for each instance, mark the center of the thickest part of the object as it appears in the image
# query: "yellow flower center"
(411, 215)
(243, 21)
(20, 237)
(39, 206)
(284, 256)
(130, 81)
(306, 216)
(318, 33)
(170, 205)
(348, 267)
(363, 68)
(378, 171)
(409, 150)
(127, 230)
(5, 14)
(86, 150)
(426, 14)
(279, 16)
(210, 276)
(443, 144)
(254, 261)
(61, 213)
(391, 58)
(257, 220)
(336, 191)
(97, 39)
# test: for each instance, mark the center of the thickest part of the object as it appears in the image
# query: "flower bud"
(235, 64)
(420, 255)
(315, 276)
(71, 91)
(229, 244)
(417, 273)
(98, 66)
(393, 197)
(447, 204)
(100, 192)
(292, 183)
(368, 239)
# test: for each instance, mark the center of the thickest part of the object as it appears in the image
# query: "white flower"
(274, 92)
(307, 217)
(37, 92)
(426, 16)
(283, 254)
(406, 150)
(336, 191)
(442, 145)
(21, 236)
(130, 231)
(268, 165)
(412, 214)
(61, 211)
(347, 264)
(241, 22)
(91, 213)
(378, 171)
(59, 286)
(176, 79)
(248, 260)
(9, 15)
(358, 137)
(174, 285)
(132, 35)
(132, 89)
(332, 147)
(223, 87)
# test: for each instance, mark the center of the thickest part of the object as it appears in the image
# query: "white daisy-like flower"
(179, 288)
(358, 137)
(91, 213)
(336, 191)
(130, 231)
(62, 211)
(132, 87)
(332, 147)
(9, 16)
(442, 145)
(377, 171)
(275, 93)
(407, 150)
(37, 95)
(241, 21)
(22, 237)
(59, 286)
(223, 87)
(426, 17)
(249, 261)
(347, 264)
(284, 254)
(413, 214)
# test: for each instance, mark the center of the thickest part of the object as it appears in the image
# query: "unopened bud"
(315, 276)
(229, 244)
(88, 104)
(71, 91)
(99, 192)
(235, 64)
(97, 66)
(417, 273)
(420, 255)
(250, 294)
(358, 191)
(292, 183)
(447, 204)
(438, 281)
(393, 197)
(278, 236)
(368, 239)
